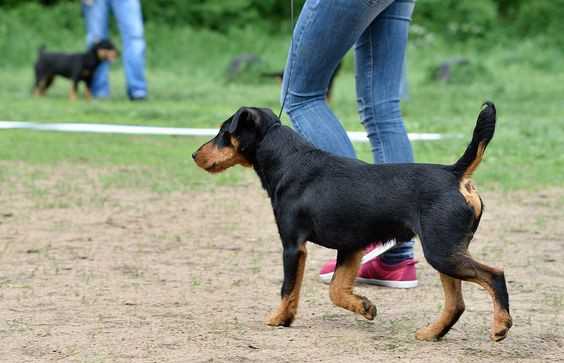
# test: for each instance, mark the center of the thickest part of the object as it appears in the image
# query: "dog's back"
(56, 63)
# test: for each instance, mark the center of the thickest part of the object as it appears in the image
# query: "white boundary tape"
(172, 131)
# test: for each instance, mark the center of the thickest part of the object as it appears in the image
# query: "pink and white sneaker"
(375, 272)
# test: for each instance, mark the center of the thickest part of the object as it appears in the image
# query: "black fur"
(346, 204)
(78, 67)
(483, 133)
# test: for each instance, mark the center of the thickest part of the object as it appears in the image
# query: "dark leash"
(289, 55)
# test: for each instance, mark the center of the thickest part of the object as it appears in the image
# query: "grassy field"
(117, 248)
(186, 73)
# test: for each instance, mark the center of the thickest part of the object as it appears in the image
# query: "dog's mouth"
(213, 168)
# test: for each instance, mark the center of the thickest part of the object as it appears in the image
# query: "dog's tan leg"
(493, 280)
(286, 312)
(72, 93)
(87, 93)
(453, 309)
(464, 267)
(39, 90)
(341, 288)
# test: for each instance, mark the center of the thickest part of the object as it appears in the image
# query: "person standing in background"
(129, 20)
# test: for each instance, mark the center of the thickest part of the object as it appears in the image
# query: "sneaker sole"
(326, 278)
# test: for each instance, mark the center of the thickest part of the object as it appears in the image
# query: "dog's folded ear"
(245, 116)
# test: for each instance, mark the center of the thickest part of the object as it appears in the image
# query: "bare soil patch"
(96, 275)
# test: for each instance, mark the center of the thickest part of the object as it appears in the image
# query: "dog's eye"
(223, 139)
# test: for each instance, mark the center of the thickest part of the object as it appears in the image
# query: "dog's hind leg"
(453, 260)
(294, 265)
(452, 310)
(341, 288)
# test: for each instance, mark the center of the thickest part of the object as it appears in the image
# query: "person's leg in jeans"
(130, 23)
(96, 14)
(380, 56)
(325, 31)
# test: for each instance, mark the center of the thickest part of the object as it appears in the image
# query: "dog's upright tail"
(483, 133)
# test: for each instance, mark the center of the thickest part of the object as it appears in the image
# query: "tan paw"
(500, 328)
(427, 334)
(368, 309)
(280, 320)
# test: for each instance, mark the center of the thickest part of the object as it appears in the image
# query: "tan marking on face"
(470, 194)
(107, 54)
(215, 160)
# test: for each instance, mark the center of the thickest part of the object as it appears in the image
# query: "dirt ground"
(132, 276)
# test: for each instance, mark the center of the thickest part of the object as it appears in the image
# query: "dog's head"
(105, 50)
(237, 140)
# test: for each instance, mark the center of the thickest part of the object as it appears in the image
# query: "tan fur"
(341, 289)
(453, 308)
(215, 160)
(87, 93)
(470, 193)
(467, 188)
(476, 162)
(40, 89)
(501, 321)
(106, 54)
(288, 307)
(72, 94)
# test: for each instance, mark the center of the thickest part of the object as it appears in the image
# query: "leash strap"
(291, 51)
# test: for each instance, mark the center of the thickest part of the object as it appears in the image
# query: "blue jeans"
(130, 24)
(324, 32)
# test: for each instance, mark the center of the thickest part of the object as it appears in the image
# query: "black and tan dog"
(346, 204)
(78, 67)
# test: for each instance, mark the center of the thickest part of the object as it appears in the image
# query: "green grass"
(188, 89)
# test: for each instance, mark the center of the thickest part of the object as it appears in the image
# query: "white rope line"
(356, 136)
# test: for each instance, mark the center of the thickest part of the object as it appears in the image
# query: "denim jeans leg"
(380, 54)
(130, 23)
(380, 67)
(96, 20)
(324, 32)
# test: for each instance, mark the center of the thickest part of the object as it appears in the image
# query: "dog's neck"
(275, 155)
(91, 57)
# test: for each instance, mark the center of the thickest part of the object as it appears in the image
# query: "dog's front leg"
(294, 265)
(73, 91)
(87, 93)
(341, 288)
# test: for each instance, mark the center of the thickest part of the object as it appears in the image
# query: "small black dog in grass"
(346, 204)
(78, 67)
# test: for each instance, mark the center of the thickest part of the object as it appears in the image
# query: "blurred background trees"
(453, 19)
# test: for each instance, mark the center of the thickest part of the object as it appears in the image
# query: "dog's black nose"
(194, 155)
